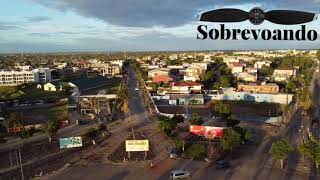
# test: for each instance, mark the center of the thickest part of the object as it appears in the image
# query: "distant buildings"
(13, 77)
(158, 72)
(270, 88)
(237, 67)
(259, 64)
(189, 99)
(284, 73)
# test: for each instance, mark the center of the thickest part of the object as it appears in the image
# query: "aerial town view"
(156, 90)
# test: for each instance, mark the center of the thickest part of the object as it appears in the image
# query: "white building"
(13, 78)
(259, 64)
(23, 68)
(43, 74)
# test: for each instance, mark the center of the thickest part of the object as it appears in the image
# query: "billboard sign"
(137, 145)
(70, 142)
(207, 131)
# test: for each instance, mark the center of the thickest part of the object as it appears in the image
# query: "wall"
(246, 96)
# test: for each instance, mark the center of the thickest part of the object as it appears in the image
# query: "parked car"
(173, 153)
(179, 174)
(221, 164)
(82, 122)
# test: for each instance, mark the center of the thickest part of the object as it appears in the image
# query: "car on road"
(179, 174)
(173, 153)
(221, 164)
(136, 89)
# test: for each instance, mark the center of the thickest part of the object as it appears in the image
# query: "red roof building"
(162, 78)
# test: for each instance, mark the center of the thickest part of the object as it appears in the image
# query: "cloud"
(38, 18)
(5, 26)
(167, 13)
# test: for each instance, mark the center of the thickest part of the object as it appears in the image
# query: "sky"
(133, 25)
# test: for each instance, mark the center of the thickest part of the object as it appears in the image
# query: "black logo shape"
(256, 16)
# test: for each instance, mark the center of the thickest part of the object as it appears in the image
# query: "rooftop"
(187, 83)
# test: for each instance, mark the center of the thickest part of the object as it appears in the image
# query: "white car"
(179, 174)
(137, 89)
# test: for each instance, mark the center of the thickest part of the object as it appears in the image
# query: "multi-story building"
(106, 69)
(13, 78)
(23, 67)
(44, 74)
(157, 72)
(284, 73)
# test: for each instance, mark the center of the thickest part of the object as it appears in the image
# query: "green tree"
(102, 128)
(50, 129)
(291, 86)
(225, 81)
(230, 140)
(232, 122)
(221, 109)
(311, 149)
(154, 86)
(91, 134)
(280, 150)
(196, 119)
(180, 143)
(208, 76)
(266, 70)
(178, 118)
(196, 151)
(166, 124)
(26, 133)
(13, 121)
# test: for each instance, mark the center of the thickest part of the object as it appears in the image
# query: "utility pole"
(21, 169)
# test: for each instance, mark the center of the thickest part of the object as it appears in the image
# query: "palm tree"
(50, 129)
(14, 121)
(124, 103)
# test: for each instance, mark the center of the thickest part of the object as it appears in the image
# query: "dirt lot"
(120, 153)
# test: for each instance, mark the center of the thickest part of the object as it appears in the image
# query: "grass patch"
(26, 91)
(196, 151)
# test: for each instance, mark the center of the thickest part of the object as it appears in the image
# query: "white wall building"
(43, 74)
(13, 78)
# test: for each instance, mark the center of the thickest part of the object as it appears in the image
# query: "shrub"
(196, 151)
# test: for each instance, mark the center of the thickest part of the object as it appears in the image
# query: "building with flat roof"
(270, 88)
(14, 78)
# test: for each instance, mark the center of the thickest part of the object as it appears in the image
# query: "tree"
(232, 122)
(225, 81)
(196, 119)
(230, 140)
(222, 109)
(124, 98)
(208, 76)
(196, 151)
(154, 86)
(266, 70)
(50, 129)
(280, 150)
(13, 121)
(167, 124)
(92, 133)
(311, 149)
(246, 135)
(291, 86)
(102, 128)
(180, 144)
(178, 118)
(26, 133)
